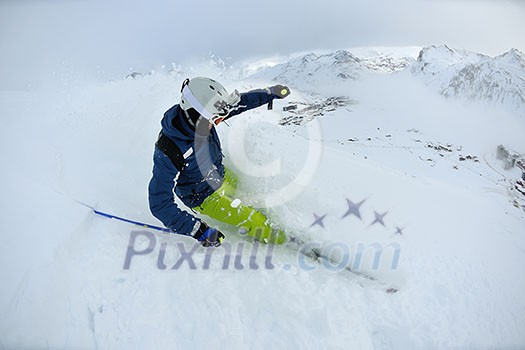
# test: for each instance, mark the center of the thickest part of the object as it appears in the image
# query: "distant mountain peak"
(345, 57)
(513, 56)
(465, 74)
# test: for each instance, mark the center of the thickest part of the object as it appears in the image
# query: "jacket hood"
(176, 126)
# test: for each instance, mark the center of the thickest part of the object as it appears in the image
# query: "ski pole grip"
(270, 105)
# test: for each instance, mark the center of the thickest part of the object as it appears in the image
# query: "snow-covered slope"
(464, 74)
(396, 180)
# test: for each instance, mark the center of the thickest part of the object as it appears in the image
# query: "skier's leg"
(229, 185)
(219, 207)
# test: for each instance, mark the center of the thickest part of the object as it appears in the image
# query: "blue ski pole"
(133, 222)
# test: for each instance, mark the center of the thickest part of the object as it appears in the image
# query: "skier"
(187, 161)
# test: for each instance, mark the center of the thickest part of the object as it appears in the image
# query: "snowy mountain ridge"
(453, 73)
(341, 65)
(313, 68)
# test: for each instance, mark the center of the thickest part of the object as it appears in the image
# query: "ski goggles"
(217, 119)
(224, 106)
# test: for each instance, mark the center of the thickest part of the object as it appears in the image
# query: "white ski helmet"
(209, 98)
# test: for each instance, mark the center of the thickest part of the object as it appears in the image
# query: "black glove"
(208, 237)
(278, 91)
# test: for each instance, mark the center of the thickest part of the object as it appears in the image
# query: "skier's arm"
(255, 98)
(162, 199)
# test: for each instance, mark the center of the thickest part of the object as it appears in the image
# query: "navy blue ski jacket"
(203, 171)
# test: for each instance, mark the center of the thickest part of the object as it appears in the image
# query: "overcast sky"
(39, 37)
